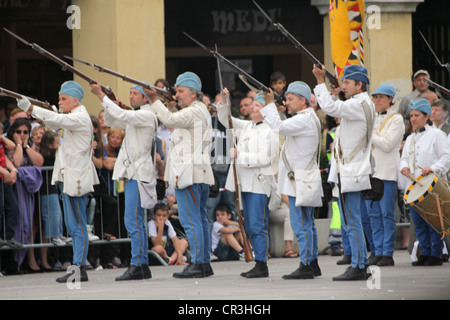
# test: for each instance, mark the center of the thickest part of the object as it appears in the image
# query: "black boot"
(345, 260)
(260, 270)
(70, 276)
(386, 261)
(207, 269)
(421, 261)
(136, 273)
(303, 272)
(352, 274)
(191, 271)
(316, 269)
(373, 259)
(433, 261)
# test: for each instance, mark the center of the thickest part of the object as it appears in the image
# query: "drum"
(430, 197)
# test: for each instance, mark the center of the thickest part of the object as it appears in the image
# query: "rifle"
(161, 93)
(438, 87)
(65, 66)
(333, 80)
(254, 84)
(237, 186)
(446, 65)
(12, 94)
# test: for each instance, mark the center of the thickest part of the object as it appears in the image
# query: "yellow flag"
(346, 21)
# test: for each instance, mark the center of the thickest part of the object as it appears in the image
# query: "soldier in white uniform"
(135, 154)
(74, 170)
(254, 154)
(387, 138)
(299, 154)
(352, 154)
(188, 167)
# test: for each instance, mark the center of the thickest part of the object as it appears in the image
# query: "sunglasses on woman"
(22, 131)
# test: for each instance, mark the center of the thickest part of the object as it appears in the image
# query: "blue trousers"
(75, 220)
(192, 213)
(135, 224)
(256, 214)
(304, 227)
(381, 215)
(354, 229)
(429, 240)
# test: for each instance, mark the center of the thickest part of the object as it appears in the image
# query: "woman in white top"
(430, 153)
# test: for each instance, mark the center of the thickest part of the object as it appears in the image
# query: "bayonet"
(333, 80)
(446, 65)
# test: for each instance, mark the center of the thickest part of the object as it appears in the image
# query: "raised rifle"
(438, 87)
(237, 186)
(251, 82)
(444, 65)
(161, 93)
(333, 80)
(12, 94)
(65, 66)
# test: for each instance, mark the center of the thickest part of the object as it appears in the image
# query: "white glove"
(54, 108)
(23, 103)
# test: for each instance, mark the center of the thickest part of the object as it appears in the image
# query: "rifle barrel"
(35, 102)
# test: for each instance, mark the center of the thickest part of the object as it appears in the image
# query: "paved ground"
(402, 282)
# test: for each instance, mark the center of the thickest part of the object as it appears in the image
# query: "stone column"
(123, 35)
(387, 42)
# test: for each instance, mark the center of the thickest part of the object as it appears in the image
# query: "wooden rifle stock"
(12, 94)
(245, 241)
(438, 87)
(65, 66)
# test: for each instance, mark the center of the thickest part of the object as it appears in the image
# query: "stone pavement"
(402, 282)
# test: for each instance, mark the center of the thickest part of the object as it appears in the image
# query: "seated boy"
(163, 237)
(226, 239)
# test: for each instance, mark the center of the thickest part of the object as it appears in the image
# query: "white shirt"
(77, 142)
(386, 144)
(140, 126)
(153, 232)
(216, 235)
(257, 148)
(353, 128)
(302, 141)
(431, 150)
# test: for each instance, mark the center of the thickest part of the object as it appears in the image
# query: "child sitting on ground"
(226, 239)
(163, 238)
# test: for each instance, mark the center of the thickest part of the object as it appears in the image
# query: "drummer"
(425, 151)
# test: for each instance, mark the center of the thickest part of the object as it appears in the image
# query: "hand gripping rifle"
(161, 93)
(65, 66)
(333, 80)
(12, 94)
(250, 82)
(237, 186)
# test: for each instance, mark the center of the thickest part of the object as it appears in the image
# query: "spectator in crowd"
(420, 91)
(226, 238)
(27, 161)
(163, 238)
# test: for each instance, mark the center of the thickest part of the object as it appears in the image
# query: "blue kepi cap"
(300, 88)
(73, 89)
(420, 105)
(357, 73)
(190, 80)
(386, 89)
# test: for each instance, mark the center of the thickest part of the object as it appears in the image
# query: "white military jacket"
(353, 128)
(75, 149)
(190, 146)
(140, 127)
(430, 150)
(257, 148)
(302, 141)
(386, 143)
